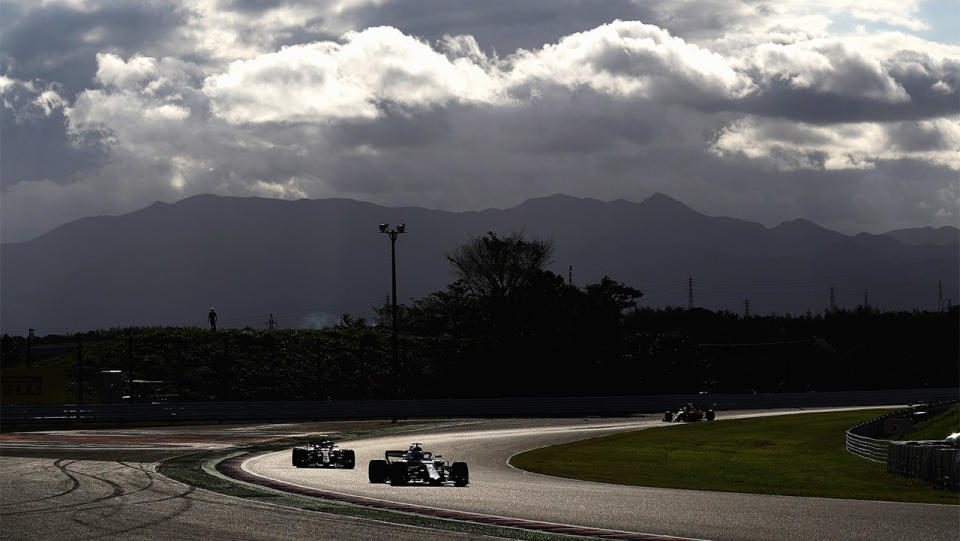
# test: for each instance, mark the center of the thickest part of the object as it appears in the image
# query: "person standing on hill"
(212, 318)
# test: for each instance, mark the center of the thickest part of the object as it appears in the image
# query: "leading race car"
(689, 414)
(416, 466)
(323, 453)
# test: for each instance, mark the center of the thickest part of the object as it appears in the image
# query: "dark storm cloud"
(584, 122)
(498, 25)
(39, 148)
(745, 115)
(251, 6)
(60, 44)
(780, 98)
(915, 137)
(781, 101)
(396, 128)
(57, 44)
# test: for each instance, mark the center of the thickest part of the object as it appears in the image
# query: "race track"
(48, 499)
(498, 489)
(101, 484)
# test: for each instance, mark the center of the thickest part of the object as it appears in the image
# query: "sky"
(843, 112)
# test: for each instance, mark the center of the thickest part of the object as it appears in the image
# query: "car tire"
(349, 459)
(668, 417)
(377, 471)
(299, 457)
(460, 473)
(711, 415)
(398, 473)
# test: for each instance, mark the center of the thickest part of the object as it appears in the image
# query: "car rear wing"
(392, 453)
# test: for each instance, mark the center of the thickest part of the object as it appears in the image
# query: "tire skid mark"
(231, 467)
(113, 504)
(74, 484)
(145, 473)
(96, 523)
(142, 502)
(185, 503)
(116, 491)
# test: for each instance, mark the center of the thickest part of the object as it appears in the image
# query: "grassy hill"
(937, 427)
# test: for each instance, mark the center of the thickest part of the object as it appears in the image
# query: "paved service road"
(498, 489)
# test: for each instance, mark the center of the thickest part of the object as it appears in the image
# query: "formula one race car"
(689, 414)
(323, 453)
(416, 466)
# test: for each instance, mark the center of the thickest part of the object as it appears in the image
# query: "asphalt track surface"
(500, 490)
(100, 484)
(68, 499)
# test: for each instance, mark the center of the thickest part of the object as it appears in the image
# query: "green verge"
(199, 470)
(796, 455)
(938, 427)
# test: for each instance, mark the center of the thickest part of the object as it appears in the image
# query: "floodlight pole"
(394, 233)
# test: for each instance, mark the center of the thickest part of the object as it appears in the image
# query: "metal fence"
(480, 407)
(936, 462)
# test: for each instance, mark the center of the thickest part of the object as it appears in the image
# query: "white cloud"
(630, 58)
(28, 99)
(826, 66)
(903, 13)
(6, 82)
(49, 100)
(790, 145)
(115, 72)
(142, 108)
(328, 80)
(721, 103)
(222, 35)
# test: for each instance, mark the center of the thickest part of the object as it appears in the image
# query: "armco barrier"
(866, 439)
(936, 462)
(372, 409)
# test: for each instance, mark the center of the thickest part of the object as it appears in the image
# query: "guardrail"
(936, 462)
(861, 440)
(869, 448)
(373, 409)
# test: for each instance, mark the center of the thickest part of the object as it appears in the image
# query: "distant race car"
(323, 453)
(690, 413)
(953, 439)
(416, 466)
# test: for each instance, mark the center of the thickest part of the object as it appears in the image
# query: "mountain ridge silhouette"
(310, 260)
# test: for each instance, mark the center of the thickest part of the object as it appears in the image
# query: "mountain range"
(307, 262)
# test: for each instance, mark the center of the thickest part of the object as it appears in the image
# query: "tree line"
(508, 327)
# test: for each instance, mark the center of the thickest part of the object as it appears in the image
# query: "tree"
(495, 268)
(611, 296)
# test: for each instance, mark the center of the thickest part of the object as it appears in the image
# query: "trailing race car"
(323, 453)
(416, 466)
(689, 414)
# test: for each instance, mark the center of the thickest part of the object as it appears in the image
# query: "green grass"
(938, 427)
(798, 455)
